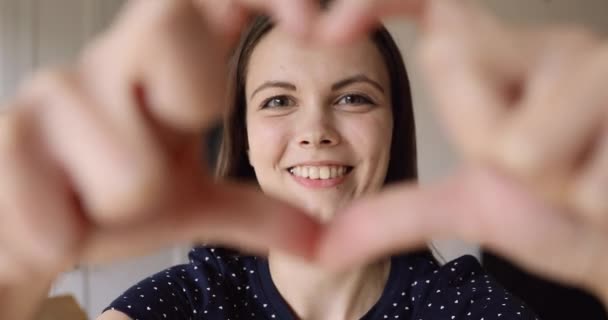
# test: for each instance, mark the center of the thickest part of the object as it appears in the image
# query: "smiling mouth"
(320, 172)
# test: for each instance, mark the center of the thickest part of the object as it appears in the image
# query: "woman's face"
(319, 121)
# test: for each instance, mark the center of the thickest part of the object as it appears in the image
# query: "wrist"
(21, 300)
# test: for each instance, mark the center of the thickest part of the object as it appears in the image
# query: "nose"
(318, 131)
(318, 141)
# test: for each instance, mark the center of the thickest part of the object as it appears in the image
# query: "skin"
(113, 127)
(312, 120)
(351, 125)
(504, 131)
(114, 165)
(534, 189)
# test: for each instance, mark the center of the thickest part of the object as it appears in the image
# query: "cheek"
(267, 140)
(371, 137)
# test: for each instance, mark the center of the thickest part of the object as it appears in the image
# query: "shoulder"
(113, 315)
(220, 263)
(462, 286)
(454, 273)
(183, 290)
(459, 272)
(212, 257)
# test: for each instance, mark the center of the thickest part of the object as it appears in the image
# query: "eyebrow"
(336, 86)
(274, 84)
(356, 79)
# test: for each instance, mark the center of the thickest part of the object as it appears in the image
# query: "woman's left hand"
(529, 101)
(530, 104)
(477, 205)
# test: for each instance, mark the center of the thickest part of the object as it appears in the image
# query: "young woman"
(318, 128)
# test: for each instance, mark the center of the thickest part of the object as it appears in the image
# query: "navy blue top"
(220, 284)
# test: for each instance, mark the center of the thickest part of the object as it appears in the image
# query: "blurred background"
(39, 33)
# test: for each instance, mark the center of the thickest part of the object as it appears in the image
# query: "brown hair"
(233, 162)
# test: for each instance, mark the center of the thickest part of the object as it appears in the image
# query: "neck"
(315, 293)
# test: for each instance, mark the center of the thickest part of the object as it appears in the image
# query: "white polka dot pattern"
(220, 284)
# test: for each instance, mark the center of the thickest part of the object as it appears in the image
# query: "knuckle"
(602, 56)
(441, 59)
(127, 201)
(46, 88)
(172, 15)
(432, 52)
(577, 36)
(49, 80)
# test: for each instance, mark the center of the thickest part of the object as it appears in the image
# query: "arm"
(21, 301)
(113, 315)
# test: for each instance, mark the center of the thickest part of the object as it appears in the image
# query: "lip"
(320, 163)
(320, 183)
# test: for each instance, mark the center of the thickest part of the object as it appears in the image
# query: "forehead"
(280, 57)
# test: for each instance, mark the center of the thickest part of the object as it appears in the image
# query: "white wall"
(36, 33)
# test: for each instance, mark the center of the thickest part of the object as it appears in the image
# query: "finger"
(296, 16)
(11, 271)
(184, 79)
(227, 17)
(115, 177)
(479, 207)
(179, 73)
(231, 215)
(590, 189)
(40, 226)
(348, 20)
(400, 218)
(472, 75)
(550, 133)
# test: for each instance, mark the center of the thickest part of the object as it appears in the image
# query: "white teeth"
(324, 172)
(301, 171)
(319, 172)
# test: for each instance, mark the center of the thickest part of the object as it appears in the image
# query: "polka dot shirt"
(220, 284)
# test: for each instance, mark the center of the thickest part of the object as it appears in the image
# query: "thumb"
(477, 206)
(232, 215)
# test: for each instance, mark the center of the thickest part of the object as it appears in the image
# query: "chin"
(319, 205)
(322, 211)
(323, 217)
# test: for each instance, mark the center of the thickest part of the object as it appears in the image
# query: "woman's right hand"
(104, 159)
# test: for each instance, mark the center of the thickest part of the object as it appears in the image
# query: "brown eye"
(277, 102)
